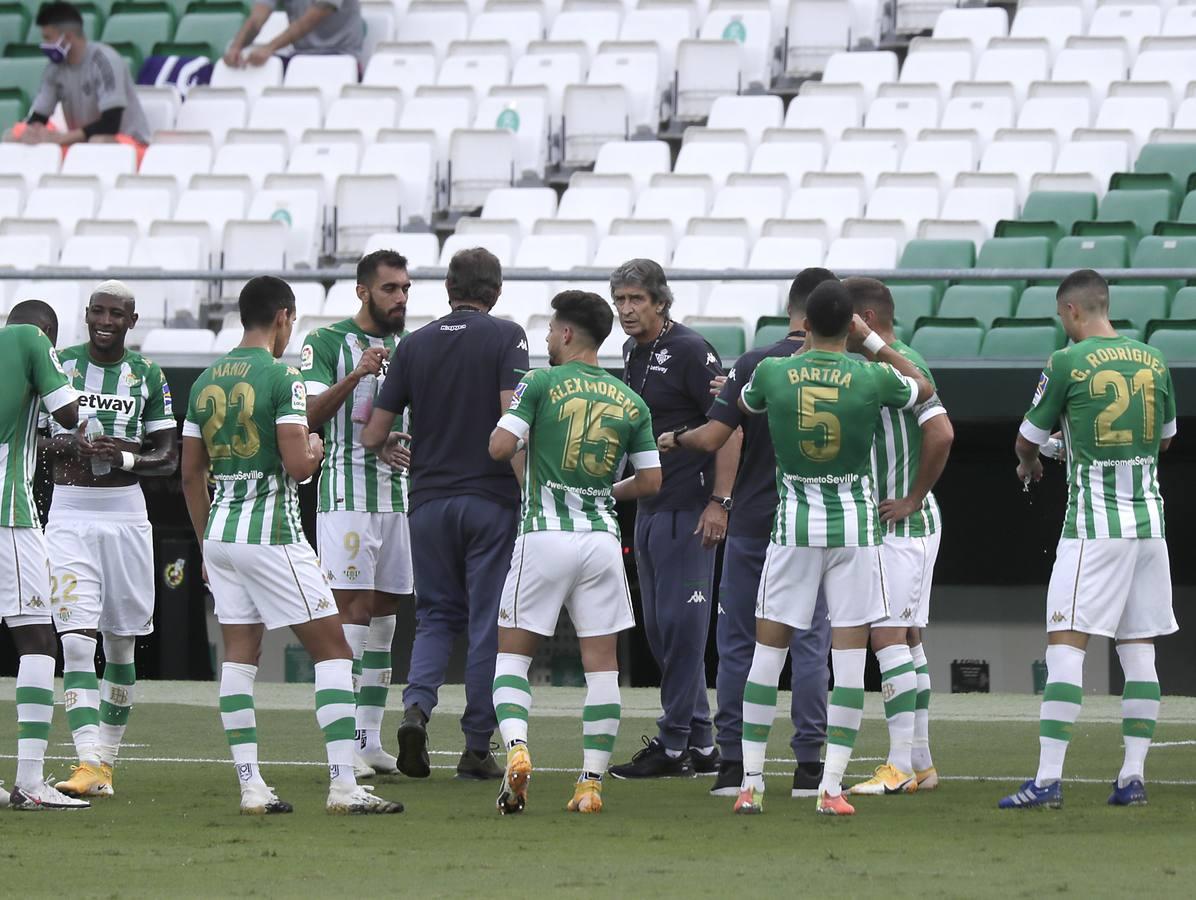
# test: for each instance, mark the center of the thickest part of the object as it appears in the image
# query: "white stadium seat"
(984, 205)
(210, 208)
(639, 159)
(291, 114)
(977, 26)
(1095, 67)
(1062, 115)
(786, 253)
(832, 116)
(141, 205)
(941, 68)
(64, 205)
(639, 75)
(1132, 23)
(255, 161)
(1016, 66)
(524, 205)
(1051, 23)
(716, 159)
(907, 114)
(870, 69)
(599, 205)
(831, 205)
(252, 79)
(615, 249)
(861, 253)
(498, 244)
(165, 341)
(677, 205)
(216, 113)
(552, 251)
(1100, 159)
(708, 252)
(752, 114)
(30, 161)
(105, 161)
(750, 28)
(753, 204)
(791, 159)
(325, 72)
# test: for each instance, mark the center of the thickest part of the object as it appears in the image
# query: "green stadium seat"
(1184, 223)
(1158, 252)
(177, 48)
(14, 22)
(903, 332)
(1098, 253)
(215, 6)
(929, 254)
(1014, 253)
(1138, 303)
(1050, 213)
(24, 50)
(1176, 160)
(23, 73)
(12, 107)
(770, 334)
(1129, 213)
(948, 338)
(981, 302)
(132, 54)
(1183, 304)
(726, 339)
(142, 29)
(214, 29)
(913, 301)
(1028, 339)
(1037, 302)
(1128, 329)
(1176, 344)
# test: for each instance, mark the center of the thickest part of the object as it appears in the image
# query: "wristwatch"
(725, 502)
(677, 432)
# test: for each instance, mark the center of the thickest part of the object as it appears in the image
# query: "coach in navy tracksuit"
(743, 561)
(677, 531)
(456, 375)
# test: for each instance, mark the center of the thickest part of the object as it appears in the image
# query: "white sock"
(374, 684)
(1060, 708)
(81, 695)
(1140, 700)
(600, 721)
(355, 637)
(844, 715)
(899, 689)
(116, 693)
(759, 709)
(512, 697)
(920, 755)
(336, 713)
(239, 720)
(35, 711)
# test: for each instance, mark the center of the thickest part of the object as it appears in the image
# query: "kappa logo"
(696, 597)
(36, 602)
(731, 374)
(721, 611)
(522, 345)
(322, 605)
(907, 613)
(711, 359)
(663, 356)
(504, 616)
(1057, 617)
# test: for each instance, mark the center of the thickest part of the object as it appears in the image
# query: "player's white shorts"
(25, 574)
(852, 578)
(581, 571)
(276, 584)
(101, 550)
(909, 572)
(1115, 587)
(363, 551)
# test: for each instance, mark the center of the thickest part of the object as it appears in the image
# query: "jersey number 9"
(246, 441)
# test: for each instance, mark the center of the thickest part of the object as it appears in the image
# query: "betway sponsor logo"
(107, 403)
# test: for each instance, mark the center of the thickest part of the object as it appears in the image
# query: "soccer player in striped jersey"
(33, 379)
(98, 534)
(1116, 403)
(577, 422)
(909, 453)
(246, 428)
(363, 501)
(822, 408)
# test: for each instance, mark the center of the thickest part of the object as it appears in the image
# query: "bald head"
(1086, 290)
(37, 313)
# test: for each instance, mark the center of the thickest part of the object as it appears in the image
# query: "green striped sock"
(1061, 702)
(920, 756)
(374, 684)
(35, 711)
(1140, 700)
(844, 715)
(336, 713)
(116, 700)
(600, 720)
(759, 709)
(239, 719)
(512, 697)
(81, 694)
(899, 688)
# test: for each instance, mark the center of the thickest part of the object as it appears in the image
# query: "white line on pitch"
(1173, 744)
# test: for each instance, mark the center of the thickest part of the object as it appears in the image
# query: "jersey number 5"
(590, 442)
(810, 418)
(1142, 383)
(246, 440)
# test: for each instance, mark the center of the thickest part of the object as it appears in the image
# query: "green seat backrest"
(1126, 328)
(1018, 228)
(1138, 303)
(1037, 302)
(1187, 210)
(1091, 253)
(922, 253)
(1144, 208)
(941, 341)
(981, 302)
(143, 29)
(769, 334)
(1177, 344)
(1064, 207)
(1157, 252)
(24, 73)
(727, 340)
(14, 22)
(1021, 342)
(913, 301)
(1014, 253)
(12, 109)
(1183, 304)
(214, 29)
(1176, 160)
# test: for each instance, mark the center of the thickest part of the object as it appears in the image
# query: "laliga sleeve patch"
(54, 359)
(306, 357)
(298, 397)
(517, 395)
(1040, 390)
(167, 401)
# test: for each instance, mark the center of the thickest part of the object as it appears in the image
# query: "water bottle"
(94, 430)
(363, 398)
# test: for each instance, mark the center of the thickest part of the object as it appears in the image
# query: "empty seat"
(752, 114)
(481, 160)
(705, 71)
(1131, 23)
(615, 249)
(709, 252)
(726, 339)
(439, 25)
(907, 114)
(921, 253)
(639, 76)
(329, 159)
(1159, 252)
(832, 116)
(984, 205)
(786, 253)
(677, 205)
(716, 159)
(1014, 66)
(1062, 115)
(1096, 68)
(1014, 253)
(94, 252)
(1100, 159)
(870, 69)
(943, 69)
(975, 25)
(906, 205)
(552, 251)
(163, 300)
(752, 204)
(831, 205)
(526, 119)
(1025, 159)
(524, 205)
(478, 72)
(213, 208)
(1138, 303)
(1175, 67)
(981, 302)
(291, 114)
(413, 165)
(590, 26)
(141, 205)
(1091, 253)
(861, 253)
(1139, 115)
(253, 79)
(104, 161)
(984, 115)
(598, 205)
(1132, 213)
(751, 29)
(498, 244)
(948, 341)
(817, 32)
(404, 71)
(164, 341)
(325, 72)
(639, 159)
(518, 27)
(30, 161)
(913, 301)
(1038, 302)
(215, 114)
(64, 205)
(868, 158)
(943, 158)
(255, 161)
(594, 115)
(1176, 344)
(301, 211)
(1028, 341)
(1053, 24)
(554, 71)
(1064, 208)
(666, 27)
(791, 159)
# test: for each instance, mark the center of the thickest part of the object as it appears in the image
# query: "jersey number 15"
(589, 442)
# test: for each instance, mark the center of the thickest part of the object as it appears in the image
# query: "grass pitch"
(173, 829)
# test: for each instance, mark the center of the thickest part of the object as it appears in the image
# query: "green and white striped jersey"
(897, 453)
(235, 406)
(351, 478)
(130, 398)
(33, 379)
(823, 409)
(1116, 402)
(578, 421)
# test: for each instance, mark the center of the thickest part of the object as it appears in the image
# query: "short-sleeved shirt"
(822, 412)
(672, 374)
(449, 375)
(33, 379)
(578, 421)
(756, 482)
(1116, 402)
(897, 453)
(341, 32)
(235, 406)
(351, 477)
(100, 82)
(130, 397)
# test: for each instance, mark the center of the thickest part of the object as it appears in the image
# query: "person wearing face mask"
(90, 80)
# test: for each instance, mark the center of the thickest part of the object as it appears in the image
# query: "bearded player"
(362, 531)
(98, 534)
